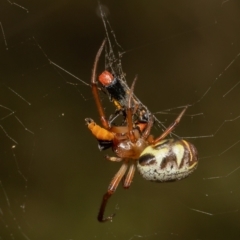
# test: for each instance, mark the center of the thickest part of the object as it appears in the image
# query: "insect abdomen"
(168, 160)
(99, 132)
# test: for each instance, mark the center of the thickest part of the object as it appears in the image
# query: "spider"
(159, 159)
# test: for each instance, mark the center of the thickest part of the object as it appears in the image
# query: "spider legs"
(111, 189)
(100, 217)
(171, 127)
(113, 159)
(129, 177)
(113, 186)
(101, 112)
(130, 113)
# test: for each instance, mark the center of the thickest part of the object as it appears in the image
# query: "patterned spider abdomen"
(168, 160)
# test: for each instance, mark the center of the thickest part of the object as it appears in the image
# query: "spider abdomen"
(168, 160)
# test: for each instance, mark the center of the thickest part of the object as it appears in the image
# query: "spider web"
(52, 174)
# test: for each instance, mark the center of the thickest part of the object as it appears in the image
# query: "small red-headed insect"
(118, 92)
(159, 160)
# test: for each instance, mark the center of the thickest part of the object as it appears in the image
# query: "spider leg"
(129, 176)
(130, 113)
(101, 112)
(113, 159)
(171, 127)
(147, 131)
(111, 189)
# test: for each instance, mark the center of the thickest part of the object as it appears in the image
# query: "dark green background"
(178, 49)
